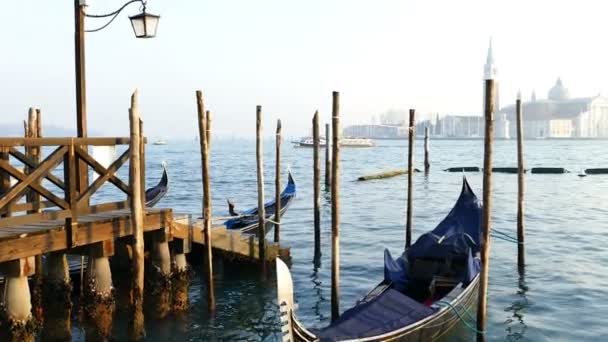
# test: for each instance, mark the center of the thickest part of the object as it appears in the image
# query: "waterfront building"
(560, 116)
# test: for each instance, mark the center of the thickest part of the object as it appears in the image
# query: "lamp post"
(144, 26)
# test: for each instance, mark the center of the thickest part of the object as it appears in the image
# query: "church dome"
(559, 92)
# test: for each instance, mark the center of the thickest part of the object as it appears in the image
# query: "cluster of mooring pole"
(277, 184)
(487, 206)
(204, 130)
(410, 175)
(316, 188)
(520, 185)
(335, 207)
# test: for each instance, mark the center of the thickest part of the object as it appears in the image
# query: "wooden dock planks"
(48, 236)
(228, 241)
(23, 240)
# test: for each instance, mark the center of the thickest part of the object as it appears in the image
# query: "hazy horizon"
(289, 57)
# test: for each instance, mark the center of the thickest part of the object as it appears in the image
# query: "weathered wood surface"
(228, 241)
(40, 237)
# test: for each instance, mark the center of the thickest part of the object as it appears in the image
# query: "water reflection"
(317, 287)
(516, 327)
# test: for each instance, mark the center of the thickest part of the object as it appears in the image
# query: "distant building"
(560, 116)
(374, 131)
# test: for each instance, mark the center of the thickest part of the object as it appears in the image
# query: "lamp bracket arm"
(115, 13)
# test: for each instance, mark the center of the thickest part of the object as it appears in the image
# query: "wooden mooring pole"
(410, 175)
(137, 329)
(427, 162)
(487, 207)
(204, 132)
(520, 185)
(277, 185)
(335, 209)
(260, 173)
(316, 186)
(327, 158)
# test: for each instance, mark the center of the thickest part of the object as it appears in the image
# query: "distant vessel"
(344, 142)
(308, 142)
(160, 141)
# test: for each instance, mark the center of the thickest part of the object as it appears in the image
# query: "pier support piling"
(487, 206)
(204, 133)
(56, 299)
(158, 276)
(98, 302)
(335, 209)
(16, 321)
(180, 275)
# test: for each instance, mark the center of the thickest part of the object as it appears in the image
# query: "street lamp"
(144, 26)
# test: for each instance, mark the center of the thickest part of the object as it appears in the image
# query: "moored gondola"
(156, 193)
(247, 221)
(425, 292)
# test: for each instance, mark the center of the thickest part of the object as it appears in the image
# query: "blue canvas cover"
(389, 311)
(456, 234)
(396, 270)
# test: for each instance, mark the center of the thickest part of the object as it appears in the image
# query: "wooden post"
(208, 125)
(260, 172)
(316, 185)
(277, 185)
(327, 158)
(520, 185)
(335, 209)
(32, 130)
(204, 139)
(410, 174)
(81, 93)
(142, 157)
(136, 326)
(487, 206)
(427, 163)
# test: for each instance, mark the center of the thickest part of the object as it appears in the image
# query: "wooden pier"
(46, 209)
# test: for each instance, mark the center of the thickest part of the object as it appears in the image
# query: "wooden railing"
(71, 152)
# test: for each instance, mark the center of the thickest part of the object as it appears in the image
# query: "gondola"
(424, 294)
(154, 194)
(247, 221)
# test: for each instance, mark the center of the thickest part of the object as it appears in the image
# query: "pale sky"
(289, 56)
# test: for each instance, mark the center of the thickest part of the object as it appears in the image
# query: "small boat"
(356, 142)
(159, 141)
(247, 221)
(154, 194)
(344, 142)
(309, 142)
(424, 294)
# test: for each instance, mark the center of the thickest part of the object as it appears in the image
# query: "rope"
(467, 324)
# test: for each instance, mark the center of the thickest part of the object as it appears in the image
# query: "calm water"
(563, 295)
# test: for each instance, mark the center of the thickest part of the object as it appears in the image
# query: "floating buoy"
(463, 169)
(507, 169)
(553, 170)
(600, 171)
